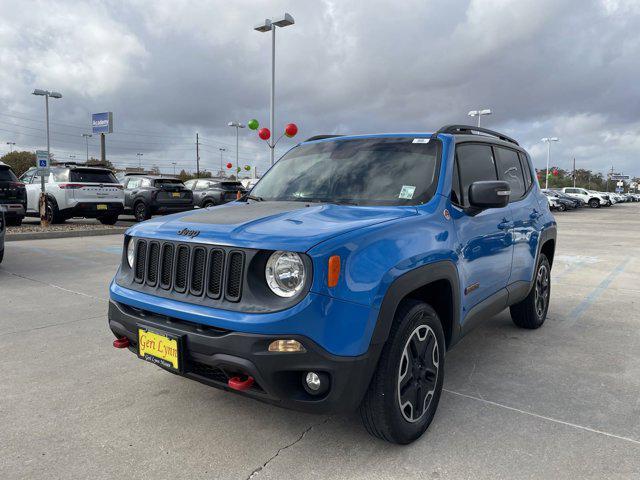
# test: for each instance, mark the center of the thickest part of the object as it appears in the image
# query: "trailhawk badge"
(185, 232)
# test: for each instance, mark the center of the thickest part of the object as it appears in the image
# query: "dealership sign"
(102, 122)
(620, 177)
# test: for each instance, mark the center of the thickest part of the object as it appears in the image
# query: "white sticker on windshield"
(407, 192)
(420, 140)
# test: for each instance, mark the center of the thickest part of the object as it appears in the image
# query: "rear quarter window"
(510, 170)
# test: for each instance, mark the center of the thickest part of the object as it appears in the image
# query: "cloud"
(168, 69)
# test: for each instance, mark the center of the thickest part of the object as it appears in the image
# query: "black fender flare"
(410, 281)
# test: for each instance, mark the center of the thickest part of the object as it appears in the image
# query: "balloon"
(253, 124)
(229, 165)
(290, 130)
(238, 169)
(247, 167)
(555, 173)
(264, 133)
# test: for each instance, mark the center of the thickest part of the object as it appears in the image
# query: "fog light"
(313, 381)
(286, 346)
(316, 383)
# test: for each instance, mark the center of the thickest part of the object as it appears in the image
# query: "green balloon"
(247, 167)
(253, 124)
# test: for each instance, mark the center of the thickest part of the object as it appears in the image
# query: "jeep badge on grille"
(185, 232)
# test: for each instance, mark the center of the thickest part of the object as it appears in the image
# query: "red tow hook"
(122, 342)
(240, 383)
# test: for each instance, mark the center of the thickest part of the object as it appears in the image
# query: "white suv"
(593, 199)
(76, 191)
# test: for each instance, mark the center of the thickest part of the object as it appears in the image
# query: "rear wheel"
(1, 255)
(14, 222)
(52, 214)
(405, 389)
(141, 212)
(532, 311)
(562, 207)
(208, 204)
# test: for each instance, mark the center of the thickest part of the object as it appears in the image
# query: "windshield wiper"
(254, 198)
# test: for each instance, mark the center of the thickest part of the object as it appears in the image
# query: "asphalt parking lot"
(559, 402)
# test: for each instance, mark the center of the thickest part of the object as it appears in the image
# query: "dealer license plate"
(176, 194)
(158, 348)
(102, 207)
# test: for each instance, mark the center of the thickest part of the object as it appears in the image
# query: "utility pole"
(87, 136)
(197, 155)
(574, 172)
(139, 155)
(174, 168)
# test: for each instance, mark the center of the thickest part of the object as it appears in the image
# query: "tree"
(19, 162)
(95, 162)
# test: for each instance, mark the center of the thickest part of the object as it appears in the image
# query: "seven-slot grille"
(196, 270)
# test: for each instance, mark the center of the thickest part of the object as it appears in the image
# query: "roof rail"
(468, 130)
(321, 137)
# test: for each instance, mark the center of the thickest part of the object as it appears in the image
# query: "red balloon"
(264, 133)
(555, 173)
(290, 130)
(229, 165)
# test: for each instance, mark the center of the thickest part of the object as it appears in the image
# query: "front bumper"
(212, 355)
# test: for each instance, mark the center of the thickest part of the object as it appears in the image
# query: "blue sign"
(42, 159)
(102, 122)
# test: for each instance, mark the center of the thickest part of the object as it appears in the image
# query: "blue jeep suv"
(340, 281)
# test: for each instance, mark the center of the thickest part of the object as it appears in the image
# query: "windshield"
(6, 175)
(370, 171)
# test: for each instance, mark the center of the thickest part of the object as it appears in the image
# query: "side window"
(475, 163)
(510, 170)
(202, 185)
(133, 183)
(456, 193)
(26, 177)
(526, 170)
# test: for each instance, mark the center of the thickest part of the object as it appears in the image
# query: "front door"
(484, 241)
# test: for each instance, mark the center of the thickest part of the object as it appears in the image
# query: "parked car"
(345, 275)
(75, 191)
(591, 198)
(576, 201)
(559, 202)
(13, 196)
(3, 228)
(147, 195)
(208, 192)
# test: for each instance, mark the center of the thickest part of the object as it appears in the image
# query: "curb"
(15, 237)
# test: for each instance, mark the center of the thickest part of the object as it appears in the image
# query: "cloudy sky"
(171, 68)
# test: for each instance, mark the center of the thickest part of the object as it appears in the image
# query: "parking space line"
(542, 417)
(52, 285)
(596, 292)
(51, 325)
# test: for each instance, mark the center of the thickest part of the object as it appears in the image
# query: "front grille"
(196, 270)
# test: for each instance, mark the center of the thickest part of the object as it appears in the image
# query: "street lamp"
(238, 126)
(222, 149)
(270, 25)
(46, 94)
(548, 141)
(139, 155)
(479, 113)
(174, 168)
(87, 136)
(11, 145)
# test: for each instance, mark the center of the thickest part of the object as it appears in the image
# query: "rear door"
(172, 191)
(92, 185)
(484, 241)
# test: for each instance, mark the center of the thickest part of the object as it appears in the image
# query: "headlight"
(285, 273)
(131, 252)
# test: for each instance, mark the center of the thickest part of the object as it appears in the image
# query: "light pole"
(222, 149)
(270, 25)
(87, 136)
(11, 145)
(46, 94)
(139, 155)
(238, 126)
(479, 113)
(72, 157)
(548, 141)
(174, 168)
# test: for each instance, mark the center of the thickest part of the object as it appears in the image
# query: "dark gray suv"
(208, 192)
(146, 195)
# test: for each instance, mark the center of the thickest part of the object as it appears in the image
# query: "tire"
(14, 222)
(594, 203)
(208, 204)
(416, 332)
(1, 255)
(52, 214)
(532, 311)
(109, 220)
(141, 212)
(562, 207)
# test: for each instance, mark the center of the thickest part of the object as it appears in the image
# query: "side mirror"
(488, 194)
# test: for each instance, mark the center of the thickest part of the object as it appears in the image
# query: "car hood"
(296, 226)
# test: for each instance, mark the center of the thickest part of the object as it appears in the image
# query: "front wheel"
(532, 311)
(405, 389)
(141, 212)
(562, 207)
(594, 203)
(108, 220)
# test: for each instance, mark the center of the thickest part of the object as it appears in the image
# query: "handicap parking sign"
(42, 159)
